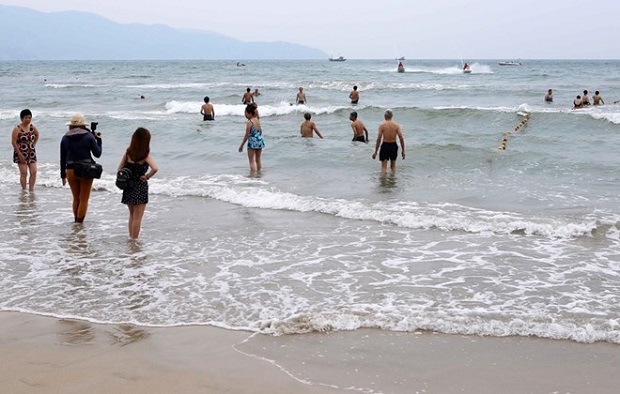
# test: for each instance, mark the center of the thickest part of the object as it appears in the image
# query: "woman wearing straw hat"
(77, 145)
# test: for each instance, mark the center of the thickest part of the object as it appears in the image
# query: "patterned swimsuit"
(139, 194)
(25, 141)
(255, 140)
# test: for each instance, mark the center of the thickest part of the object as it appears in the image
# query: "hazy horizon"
(448, 29)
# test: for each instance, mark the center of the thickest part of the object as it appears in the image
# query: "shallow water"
(464, 238)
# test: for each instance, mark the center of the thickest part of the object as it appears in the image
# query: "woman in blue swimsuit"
(254, 137)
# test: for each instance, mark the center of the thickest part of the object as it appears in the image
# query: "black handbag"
(87, 169)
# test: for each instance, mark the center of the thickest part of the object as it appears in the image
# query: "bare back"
(389, 130)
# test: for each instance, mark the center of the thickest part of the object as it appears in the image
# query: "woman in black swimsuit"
(138, 159)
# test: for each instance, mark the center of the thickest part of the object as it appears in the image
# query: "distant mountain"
(26, 34)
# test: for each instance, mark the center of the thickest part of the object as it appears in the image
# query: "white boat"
(510, 63)
(337, 59)
(401, 58)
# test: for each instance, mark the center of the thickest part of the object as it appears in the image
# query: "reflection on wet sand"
(126, 334)
(75, 332)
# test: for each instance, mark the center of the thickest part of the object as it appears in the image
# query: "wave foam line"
(445, 217)
(601, 330)
(256, 193)
(283, 108)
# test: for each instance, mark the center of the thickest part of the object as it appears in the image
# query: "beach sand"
(50, 355)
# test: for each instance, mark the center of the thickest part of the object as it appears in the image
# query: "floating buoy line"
(515, 131)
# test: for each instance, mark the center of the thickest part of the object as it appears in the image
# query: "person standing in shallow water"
(301, 97)
(308, 127)
(354, 95)
(207, 111)
(138, 159)
(386, 139)
(77, 145)
(24, 139)
(247, 97)
(359, 129)
(254, 137)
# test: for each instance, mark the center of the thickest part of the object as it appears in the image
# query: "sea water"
(464, 238)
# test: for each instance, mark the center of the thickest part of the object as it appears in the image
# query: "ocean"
(464, 238)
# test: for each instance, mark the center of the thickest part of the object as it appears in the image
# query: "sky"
(373, 29)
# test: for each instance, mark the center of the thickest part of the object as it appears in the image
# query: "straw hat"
(77, 120)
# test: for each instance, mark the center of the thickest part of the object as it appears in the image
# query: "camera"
(93, 127)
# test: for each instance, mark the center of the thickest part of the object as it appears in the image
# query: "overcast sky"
(370, 29)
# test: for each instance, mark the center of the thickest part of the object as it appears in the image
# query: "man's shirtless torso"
(207, 111)
(307, 129)
(354, 96)
(359, 131)
(389, 130)
(247, 98)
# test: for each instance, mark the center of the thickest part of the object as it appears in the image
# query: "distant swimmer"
(597, 99)
(207, 111)
(308, 127)
(577, 102)
(354, 95)
(359, 130)
(256, 93)
(585, 100)
(142, 97)
(549, 96)
(301, 97)
(386, 139)
(248, 97)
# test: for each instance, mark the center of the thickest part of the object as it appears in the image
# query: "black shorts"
(360, 138)
(208, 117)
(389, 151)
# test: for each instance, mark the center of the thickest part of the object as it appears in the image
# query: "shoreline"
(45, 354)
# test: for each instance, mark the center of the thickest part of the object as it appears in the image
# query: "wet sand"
(49, 355)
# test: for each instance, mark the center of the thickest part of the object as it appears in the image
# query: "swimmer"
(248, 97)
(359, 130)
(308, 127)
(301, 97)
(207, 110)
(597, 99)
(354, 95)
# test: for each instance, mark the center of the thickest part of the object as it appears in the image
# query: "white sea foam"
(283, 108)
(611, 117)
(476, 68)
(69, 85)
(255, 193)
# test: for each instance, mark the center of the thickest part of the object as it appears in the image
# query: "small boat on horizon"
(337, 59)
(510, 63)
